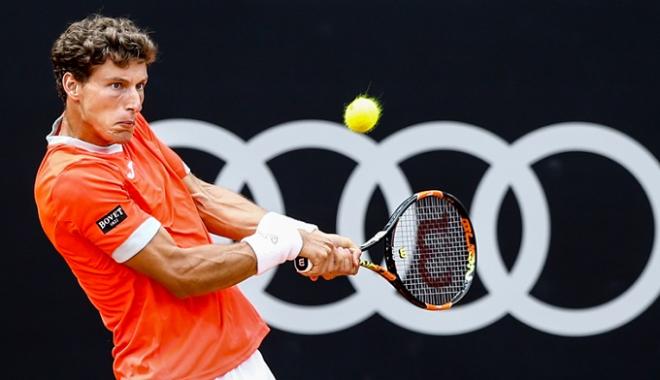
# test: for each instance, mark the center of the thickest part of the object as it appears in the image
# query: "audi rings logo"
(377, 165)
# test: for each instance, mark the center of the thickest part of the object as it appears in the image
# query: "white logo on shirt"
(131, 172)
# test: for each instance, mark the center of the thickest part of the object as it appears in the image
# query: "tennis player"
(133, 223)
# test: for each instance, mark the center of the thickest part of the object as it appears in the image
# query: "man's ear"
(71, 85)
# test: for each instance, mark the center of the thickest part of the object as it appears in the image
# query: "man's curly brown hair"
(93, 40)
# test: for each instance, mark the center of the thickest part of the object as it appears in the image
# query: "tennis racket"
(430, 250)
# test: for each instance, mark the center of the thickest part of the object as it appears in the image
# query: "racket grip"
(302, 264)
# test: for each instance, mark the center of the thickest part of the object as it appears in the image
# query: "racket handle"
(302, 264)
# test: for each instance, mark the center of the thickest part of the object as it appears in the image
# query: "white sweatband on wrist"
(277, 240)
(307, 227)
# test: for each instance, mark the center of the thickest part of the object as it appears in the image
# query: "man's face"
(109, 101)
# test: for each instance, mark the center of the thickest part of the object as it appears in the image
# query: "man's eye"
(141, 86)
(116, 85)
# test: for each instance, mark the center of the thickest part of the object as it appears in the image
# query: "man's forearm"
(194, 270)
(211, 267)
(223, 211)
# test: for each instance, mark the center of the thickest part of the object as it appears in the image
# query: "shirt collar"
(54, 139)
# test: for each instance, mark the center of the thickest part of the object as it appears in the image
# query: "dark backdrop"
(509, 67)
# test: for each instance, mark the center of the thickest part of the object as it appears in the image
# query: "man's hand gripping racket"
(430, 250)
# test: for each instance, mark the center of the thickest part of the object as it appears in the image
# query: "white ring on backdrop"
(378, 166)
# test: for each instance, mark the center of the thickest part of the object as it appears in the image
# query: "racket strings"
(430, 251)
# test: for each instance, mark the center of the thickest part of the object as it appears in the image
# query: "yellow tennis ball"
(362, 114)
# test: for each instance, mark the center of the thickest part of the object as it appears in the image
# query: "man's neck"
(73, 126)
(70, 123)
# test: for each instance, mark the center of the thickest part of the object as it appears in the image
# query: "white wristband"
(303, 264)
(277, 240)
(307, 227)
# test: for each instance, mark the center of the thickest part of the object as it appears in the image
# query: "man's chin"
(122, 137)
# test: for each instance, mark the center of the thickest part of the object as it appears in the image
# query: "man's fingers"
(342, 241)
(345, 264)
(356, 253)
(350, 263)
(319, 250)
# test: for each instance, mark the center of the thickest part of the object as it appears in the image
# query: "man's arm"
(229, 214)
(205, 268)
(224, 212)
(197, 270)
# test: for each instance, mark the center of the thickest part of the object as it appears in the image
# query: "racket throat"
(389, 276)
